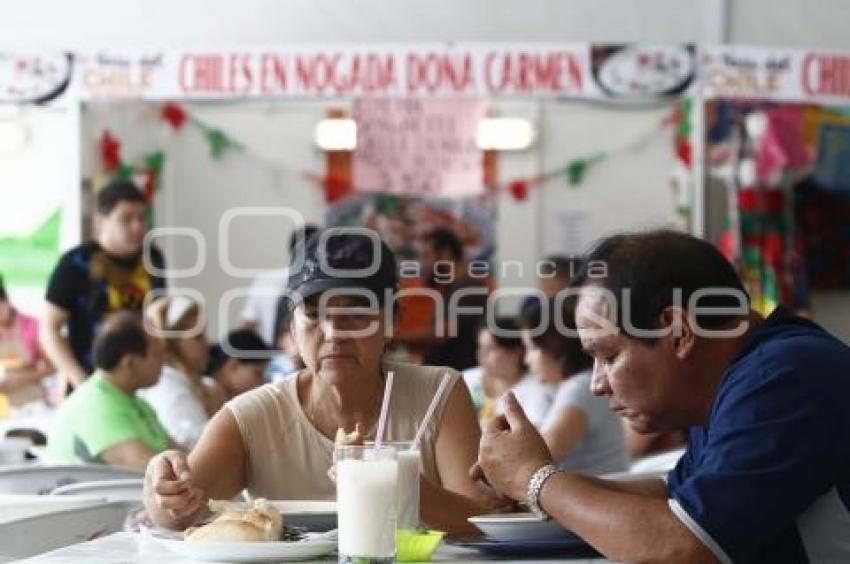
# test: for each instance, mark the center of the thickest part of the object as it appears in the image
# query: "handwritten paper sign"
(418, 147)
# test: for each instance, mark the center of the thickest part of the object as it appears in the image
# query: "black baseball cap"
(342, 257)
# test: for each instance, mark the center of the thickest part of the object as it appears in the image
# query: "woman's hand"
(168, 487)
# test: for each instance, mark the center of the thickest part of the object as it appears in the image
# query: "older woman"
(277, 440)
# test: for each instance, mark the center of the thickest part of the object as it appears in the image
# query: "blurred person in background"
(286, 359)
(183, 398)
(239, 363)
(444, 268)
(96, 278)
(22, 364)
(104, 421)
(501, 359)
(555, 273)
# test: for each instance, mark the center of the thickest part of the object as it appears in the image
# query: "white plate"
(520, 527)
(314, 546)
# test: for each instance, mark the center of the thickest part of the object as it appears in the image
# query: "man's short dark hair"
(120, 334)
(300, 235)
(445, 239)
(116, 192)
(651, 265)
(244, 345)
(551, 339)
(3, 295)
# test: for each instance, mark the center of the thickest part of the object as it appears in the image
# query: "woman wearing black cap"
(277, 440)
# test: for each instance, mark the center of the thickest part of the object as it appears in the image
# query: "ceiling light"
(505, 134)
(336, 134)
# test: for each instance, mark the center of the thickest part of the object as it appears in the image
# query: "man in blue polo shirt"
(766, 476)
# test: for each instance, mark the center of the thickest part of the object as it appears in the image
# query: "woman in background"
(22, 364)
(183, 399)
(501, 365)
(238, 364)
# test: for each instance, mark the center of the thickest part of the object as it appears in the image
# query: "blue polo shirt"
(768, 479)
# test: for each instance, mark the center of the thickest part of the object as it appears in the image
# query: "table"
(133, 547)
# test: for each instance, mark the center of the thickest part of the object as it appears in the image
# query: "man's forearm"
(620, 523)
(20, 377)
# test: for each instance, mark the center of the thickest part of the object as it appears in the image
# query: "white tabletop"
(133, 547)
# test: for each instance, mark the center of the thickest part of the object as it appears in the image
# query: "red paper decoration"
(174, 114)
(519, 189)
(110, 151)
(683, 150)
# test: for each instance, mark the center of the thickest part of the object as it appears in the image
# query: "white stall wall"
(627, 190)
(43, 175)
(197, 190)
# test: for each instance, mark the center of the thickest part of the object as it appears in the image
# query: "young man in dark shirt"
(99, 277)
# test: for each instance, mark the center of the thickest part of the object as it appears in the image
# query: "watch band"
(535, 485)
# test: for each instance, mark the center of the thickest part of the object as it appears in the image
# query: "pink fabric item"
(782, 146)
(28, 328)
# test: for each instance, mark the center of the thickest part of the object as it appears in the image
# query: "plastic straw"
(385, 408)
(430, 413)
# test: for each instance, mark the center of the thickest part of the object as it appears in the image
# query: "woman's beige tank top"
(288, 458)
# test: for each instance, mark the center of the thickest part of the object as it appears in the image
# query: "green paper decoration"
(577, 169)
(685, 113)
(219, 142)
(154, 161)
(124, 172)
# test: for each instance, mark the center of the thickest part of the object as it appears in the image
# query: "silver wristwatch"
(535, 485)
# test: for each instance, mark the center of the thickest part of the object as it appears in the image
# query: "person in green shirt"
(103, 421)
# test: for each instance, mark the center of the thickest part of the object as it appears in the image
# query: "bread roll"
(226, 531)
(263, 522)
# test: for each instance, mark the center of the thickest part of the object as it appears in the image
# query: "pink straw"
(385, 405)
(430, 413)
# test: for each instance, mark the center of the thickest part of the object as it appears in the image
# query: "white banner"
(479, 70)
(794, 75)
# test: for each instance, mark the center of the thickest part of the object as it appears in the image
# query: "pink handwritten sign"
(418, 146)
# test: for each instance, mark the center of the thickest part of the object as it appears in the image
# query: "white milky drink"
(366, 486)
(409, 472)
(407, 501)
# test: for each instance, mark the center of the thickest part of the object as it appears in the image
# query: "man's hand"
(511, 451)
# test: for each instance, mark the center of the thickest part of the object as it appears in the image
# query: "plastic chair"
(19, 506)
(27, 537)
(35, 479)
(113, 490)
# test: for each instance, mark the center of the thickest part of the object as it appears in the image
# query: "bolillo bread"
(262, 523)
